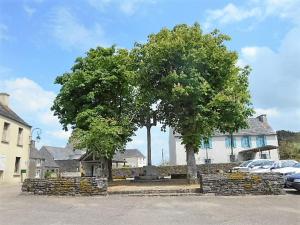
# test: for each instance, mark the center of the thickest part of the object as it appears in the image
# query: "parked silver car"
(254, 164)
(275, 167)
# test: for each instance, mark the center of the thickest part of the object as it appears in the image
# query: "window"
(38, 173)
(206, 143)
(261, 141)
(20, 137)
(228, 142)
(5, 132)
(246, 142)
(207, 161)
(17, 164)
(38, 162)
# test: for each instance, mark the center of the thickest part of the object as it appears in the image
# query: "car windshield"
(258, 163)
(297, 165)
(246, 163)
(268, 163)
(287, 163)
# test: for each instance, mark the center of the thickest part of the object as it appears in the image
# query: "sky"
(40, 39)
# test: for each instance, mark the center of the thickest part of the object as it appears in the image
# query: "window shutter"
(243, 142)
(227, 142)
(234, 142)
(257, 141)
(210, 142)
(250, 142)
(265, 140)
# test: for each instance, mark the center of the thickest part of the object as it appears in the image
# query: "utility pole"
(162, 157)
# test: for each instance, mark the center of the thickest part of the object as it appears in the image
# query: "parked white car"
(254, 164)
(275, 166)
(287, 170)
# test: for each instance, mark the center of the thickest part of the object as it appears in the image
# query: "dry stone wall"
(168, 170)
(242, 184)
(86, 186)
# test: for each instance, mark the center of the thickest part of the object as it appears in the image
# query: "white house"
(132, 158)
(259, 140)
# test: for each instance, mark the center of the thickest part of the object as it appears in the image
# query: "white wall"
(10, 150)
(135, 162)
(219, 153)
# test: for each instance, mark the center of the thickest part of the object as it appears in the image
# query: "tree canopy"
(191, 77)
(198, 86)
(96, 100)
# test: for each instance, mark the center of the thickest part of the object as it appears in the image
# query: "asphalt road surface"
(117, 210)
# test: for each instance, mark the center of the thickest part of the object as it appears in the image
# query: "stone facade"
(86, 186)
(168, 170)
(242, 184)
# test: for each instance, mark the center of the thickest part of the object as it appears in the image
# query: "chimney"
(4, 99)
(32, 143)
(262, 118)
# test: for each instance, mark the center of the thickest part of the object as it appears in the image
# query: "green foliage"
(96, 99)
(289, 144)
(195, 81)
(48, 174)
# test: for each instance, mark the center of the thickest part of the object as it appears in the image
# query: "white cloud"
(231, 13)
(128, 7)
(3, 32)
(28, 95)
(71, 33)
(270, 112)
(275, 80)
(32, 103)
(60, 134)
(29, 10)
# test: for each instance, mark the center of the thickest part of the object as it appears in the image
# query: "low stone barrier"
(168, 170)
(242, 184)
(86, 186)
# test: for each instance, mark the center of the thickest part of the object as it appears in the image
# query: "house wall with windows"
(217, 149)
(14, 144)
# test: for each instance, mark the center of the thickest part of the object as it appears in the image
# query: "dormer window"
(5, 132)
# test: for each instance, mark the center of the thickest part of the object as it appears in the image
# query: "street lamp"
(38, 132)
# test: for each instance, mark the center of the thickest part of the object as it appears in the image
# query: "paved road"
(16, 209)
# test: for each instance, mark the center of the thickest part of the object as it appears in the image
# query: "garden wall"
(168, 170)
(86, 186)
(242, 183)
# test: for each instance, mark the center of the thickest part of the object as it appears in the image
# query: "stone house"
(259, 140)
(36, 162)
(14, 146)
(40, 163)
(93, 166)
(66, 159)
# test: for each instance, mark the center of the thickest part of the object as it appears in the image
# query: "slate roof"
(49, 161)
(8, 113)
(35, 154)
(129, 153)
(256, 127)
(66, 153)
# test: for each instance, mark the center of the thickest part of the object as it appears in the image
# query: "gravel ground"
(16, 208)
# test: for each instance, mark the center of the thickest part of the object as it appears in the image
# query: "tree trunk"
(149, 145)
(109, 167)
(191, 165)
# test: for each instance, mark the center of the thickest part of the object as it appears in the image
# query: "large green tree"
(96, 100)
(198, 86)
